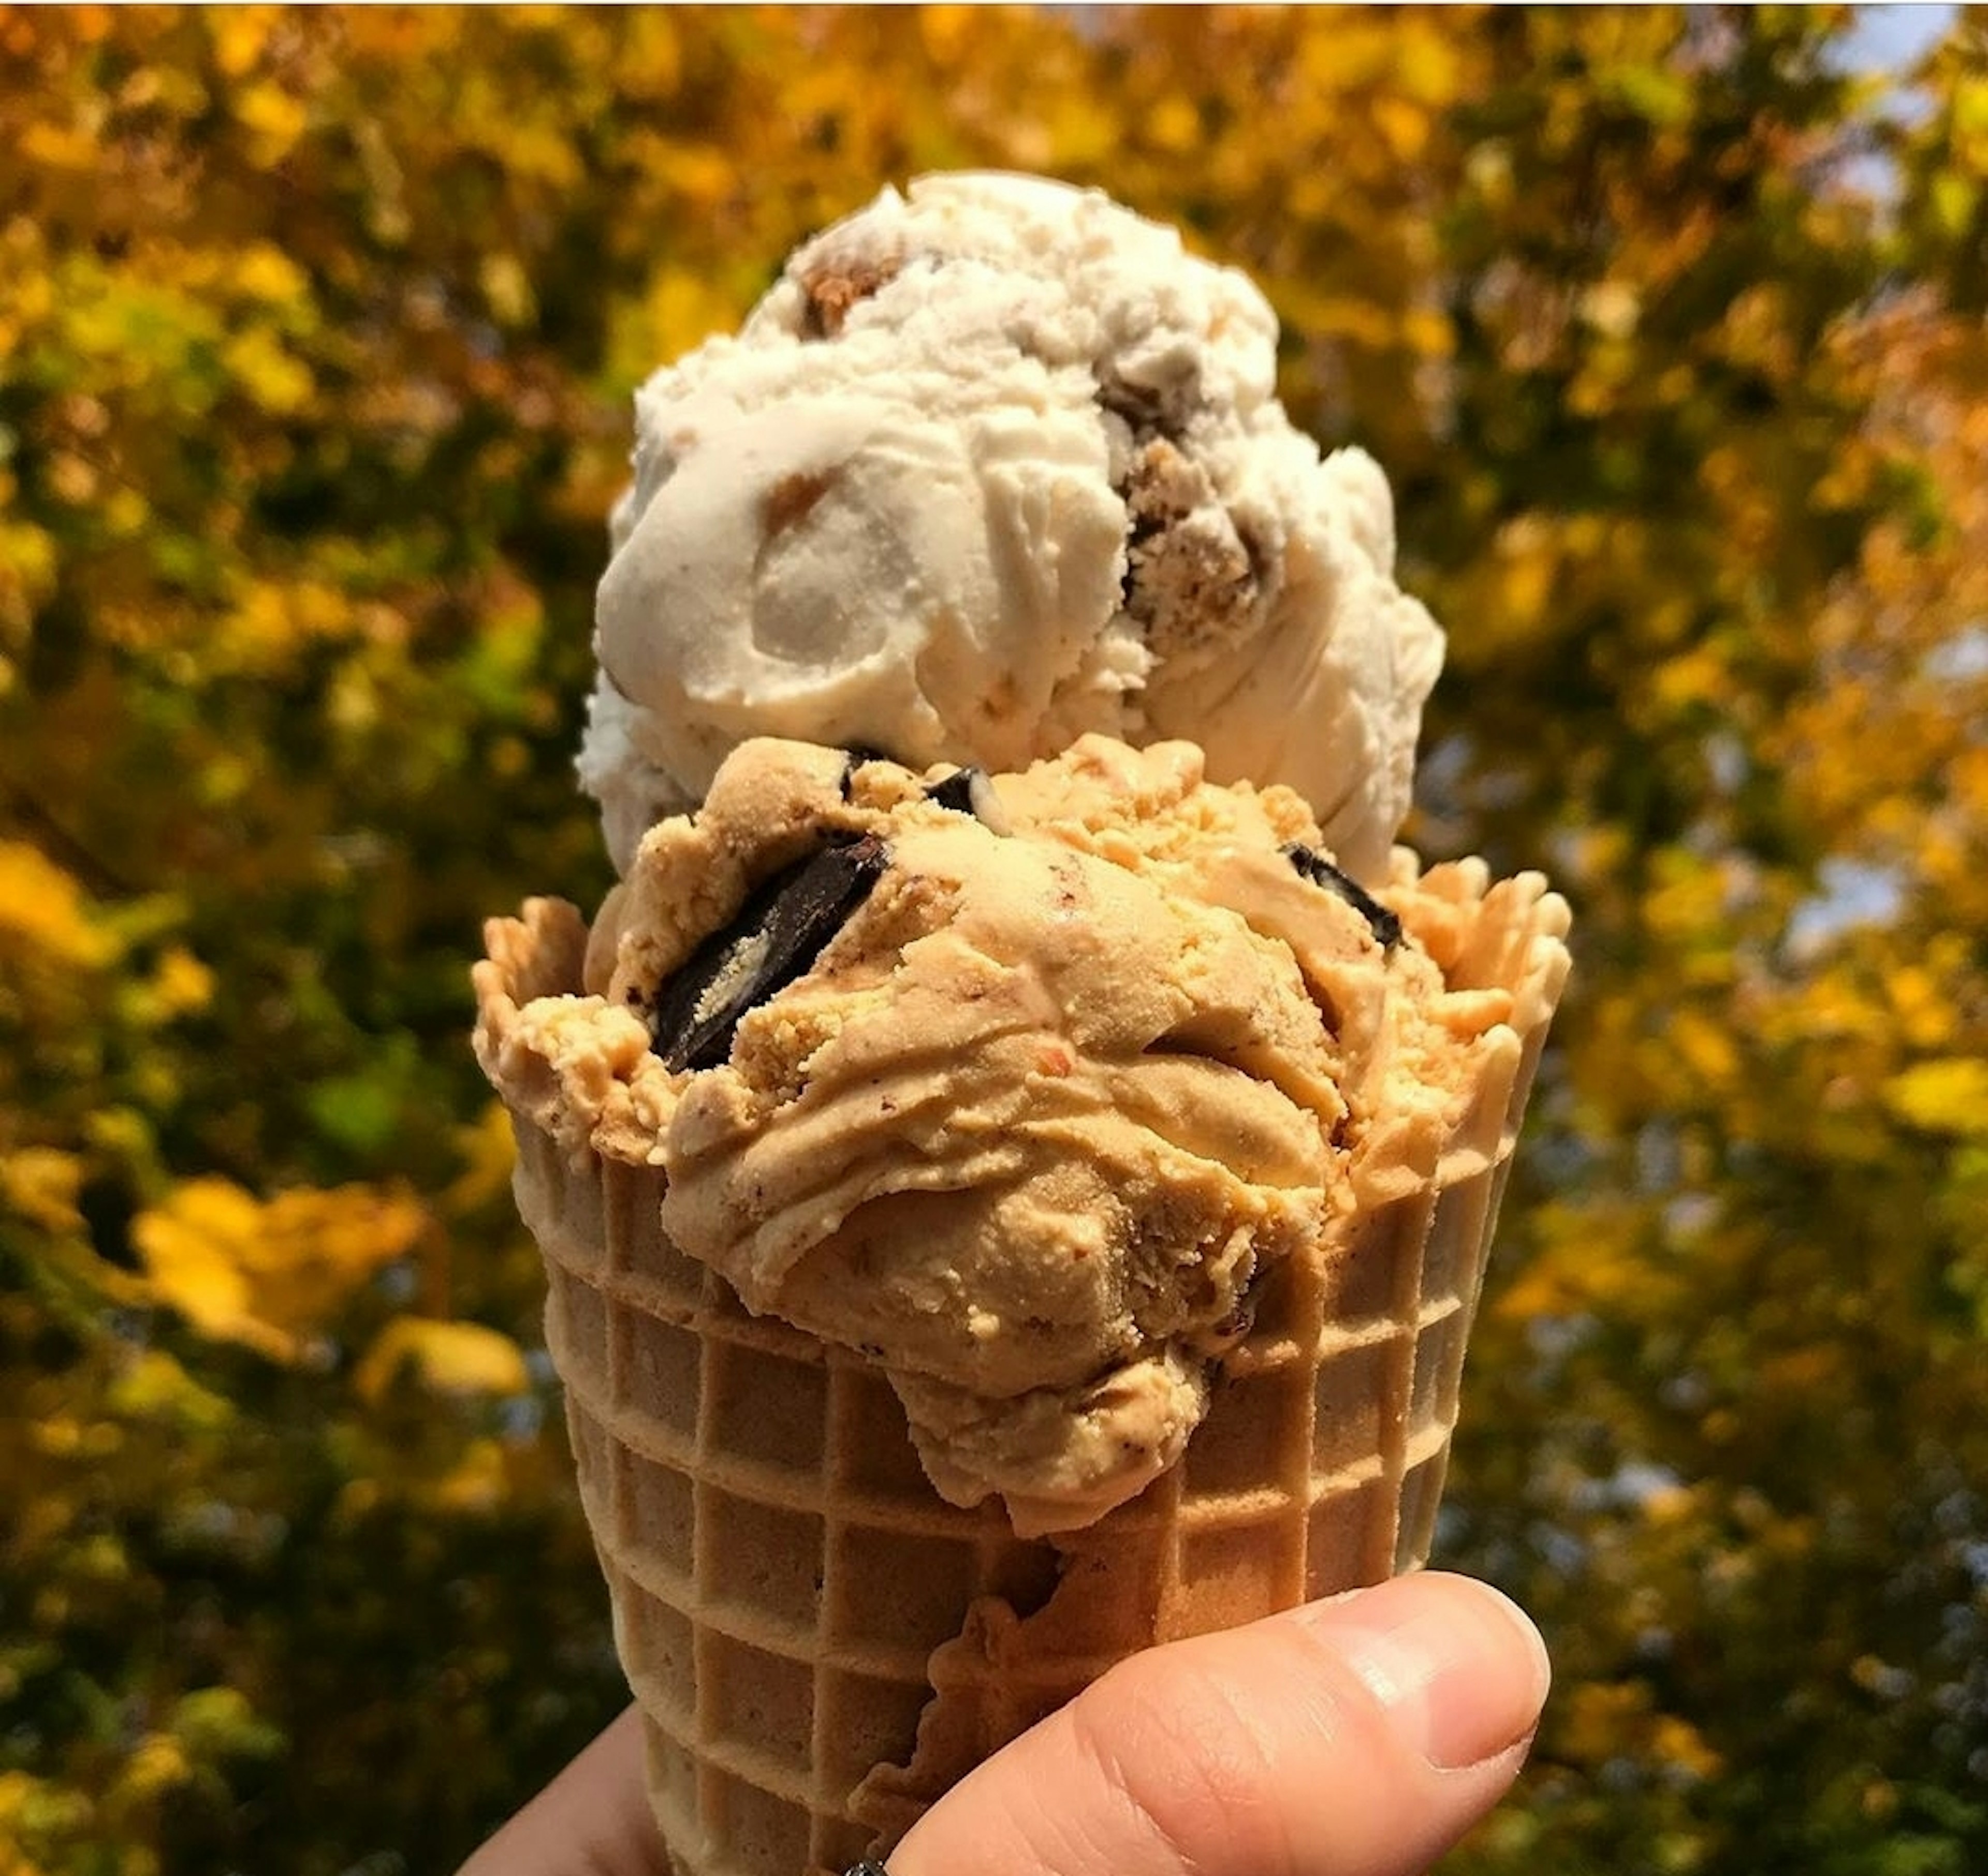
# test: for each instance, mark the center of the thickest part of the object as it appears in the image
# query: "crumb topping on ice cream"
(995, 463)
(1020, 1094)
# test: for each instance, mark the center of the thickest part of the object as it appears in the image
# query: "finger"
(1357, 1737)
(592, 1820)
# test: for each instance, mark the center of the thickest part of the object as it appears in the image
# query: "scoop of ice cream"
(995, 463)
(1016, 1085)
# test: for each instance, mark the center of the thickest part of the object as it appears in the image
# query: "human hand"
(1357, 1737)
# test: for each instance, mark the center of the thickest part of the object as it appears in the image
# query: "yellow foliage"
(1954, 197)
(1345, 316)
(1529, 565)
(1688, 902)
(1680, 1745)
(272, 623)
(157, 1763)
(240, 34)
(1947, 1096)
(1588, 1260)
(64, 1436)
(41, 1183)
(27, 571)
(479, 1481)
(264, 272)
(508, 288)
(43, 915)
(682, 308)
(462, 1358)
(273, 379)
(32, 1808)
(1925, 1012)
(154, 1386)
(1701, 675)
(270, 1274)
(1173, 122)
(1671, 1504)
(1706, 1045)
(488, 1151)
(1604, 1718)
(181, 983)
(276, 119)
(1427, 332)
(59, 146)
(1405, 126)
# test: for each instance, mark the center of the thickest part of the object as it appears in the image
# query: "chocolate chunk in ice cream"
(1313, 865)
(970, 791)
(853, 758)
(779, 933)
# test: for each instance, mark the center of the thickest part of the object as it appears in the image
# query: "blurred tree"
(316, 332)
(1747, 514)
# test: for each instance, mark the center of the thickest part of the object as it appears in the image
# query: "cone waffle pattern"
(820, 1645)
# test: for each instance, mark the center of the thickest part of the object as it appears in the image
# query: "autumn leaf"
(44, 915)
(1946, 1096)
(270, 1273)
(460, 1358)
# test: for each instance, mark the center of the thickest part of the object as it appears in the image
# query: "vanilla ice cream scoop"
(994, 464)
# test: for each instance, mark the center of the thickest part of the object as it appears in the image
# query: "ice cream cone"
(819, 1644)
(1092, 1149)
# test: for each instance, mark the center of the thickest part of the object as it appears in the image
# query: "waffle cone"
(820, 1645)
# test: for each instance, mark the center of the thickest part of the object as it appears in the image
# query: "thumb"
(1357, 1737)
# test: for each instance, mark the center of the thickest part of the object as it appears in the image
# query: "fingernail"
(1460, 1668)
